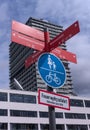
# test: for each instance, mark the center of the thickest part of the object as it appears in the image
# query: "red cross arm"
(27, 41)
(27, 36)
(66, 55)
(62, 54)
(64, 36)
(33, 58)
(27, 30)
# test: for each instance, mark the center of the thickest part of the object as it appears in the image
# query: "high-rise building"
(29, 78)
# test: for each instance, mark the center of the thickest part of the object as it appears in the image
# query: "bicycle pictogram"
(52, 77)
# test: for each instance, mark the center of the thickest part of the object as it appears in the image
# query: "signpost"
(51, 110)
(27, 41)
(34, 38)
(64, 36)
(27, 30)
(63, 54)
(32, 59)
(50, 67)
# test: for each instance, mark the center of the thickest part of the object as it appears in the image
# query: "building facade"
(19, 110)
(29, 78)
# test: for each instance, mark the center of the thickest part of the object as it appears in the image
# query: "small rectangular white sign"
(53, 99)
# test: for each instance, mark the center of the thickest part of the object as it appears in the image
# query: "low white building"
(19, 110)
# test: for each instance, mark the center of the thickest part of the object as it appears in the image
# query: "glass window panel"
(20, 113)
(77, 127)
(88, 115)
(3, 126)
(43, 114)
(75, 116)
(75, 102)
(24, 126)
(87, 103)
(3, 112)
(59, 115)
(29, 99)
(44, 126)
(22, 98)
(3, 96)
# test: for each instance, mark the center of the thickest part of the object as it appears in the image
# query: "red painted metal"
(32, 59)
(27, 41)
(38, 40)
(27, 30)
(64, 36)
(63, 54)
(47, 39)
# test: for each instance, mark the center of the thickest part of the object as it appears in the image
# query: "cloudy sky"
(61, 12)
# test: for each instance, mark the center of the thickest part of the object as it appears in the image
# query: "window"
(44, 126)
(59, 115)
(60, 127)
(21, 113)
(22, 98)
(29, 99)
(18, 126)
(75, 116)
(3, 112)
(3, 126)
(87, 103)
(3, 96)
(77, 127)
(43, 114)
(88, 115)
(75, 102)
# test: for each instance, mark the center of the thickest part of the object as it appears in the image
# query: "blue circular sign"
(51, 70)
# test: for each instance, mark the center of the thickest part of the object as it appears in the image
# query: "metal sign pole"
(51, 110)
(52, 119)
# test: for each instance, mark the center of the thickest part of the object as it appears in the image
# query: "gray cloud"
(81, 71)
(3, 11)
(65, 13)
(62, 12)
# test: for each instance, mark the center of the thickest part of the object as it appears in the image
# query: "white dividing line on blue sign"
(52, 70)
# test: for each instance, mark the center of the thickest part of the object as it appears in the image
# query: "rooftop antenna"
(17, 84)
